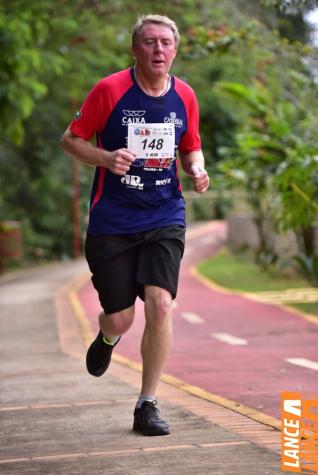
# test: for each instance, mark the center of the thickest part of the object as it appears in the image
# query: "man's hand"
(200, 178)
(119, 161)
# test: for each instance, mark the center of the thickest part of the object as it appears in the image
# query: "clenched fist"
(119, 161)
(200, 178)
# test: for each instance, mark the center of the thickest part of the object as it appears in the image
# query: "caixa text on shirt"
(133, 117)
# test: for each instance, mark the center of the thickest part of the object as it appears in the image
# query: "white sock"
(142, 398)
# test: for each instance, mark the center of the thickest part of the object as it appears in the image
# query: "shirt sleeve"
(191, 140)
(91, 117)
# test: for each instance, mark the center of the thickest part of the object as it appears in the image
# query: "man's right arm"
(117, 161)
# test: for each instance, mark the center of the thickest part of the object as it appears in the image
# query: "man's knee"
(119, 322)
(158, 304)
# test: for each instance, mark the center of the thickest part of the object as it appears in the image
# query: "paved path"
(243, 350)
(56, 419)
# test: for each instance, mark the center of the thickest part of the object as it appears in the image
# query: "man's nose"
(158, 46)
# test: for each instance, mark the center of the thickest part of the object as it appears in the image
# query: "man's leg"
(158, 272)
(113, 262)
(157, 337)
(155, 348)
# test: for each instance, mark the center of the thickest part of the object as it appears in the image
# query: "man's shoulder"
(120, 79)
(183, 86)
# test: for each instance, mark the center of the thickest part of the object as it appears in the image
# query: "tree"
(53, 52)
(276, 159)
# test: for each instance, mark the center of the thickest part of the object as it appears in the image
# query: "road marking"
(113, 453)
(303, 362)
(230, 339)
(54, 406)
(192, 317)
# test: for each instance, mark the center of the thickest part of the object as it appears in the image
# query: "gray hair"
(159, 20)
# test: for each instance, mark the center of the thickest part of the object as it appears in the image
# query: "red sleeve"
(190, 140)
(99, 104)
(91, 117)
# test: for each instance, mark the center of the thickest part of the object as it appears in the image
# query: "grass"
(238, 272)
(308, 307)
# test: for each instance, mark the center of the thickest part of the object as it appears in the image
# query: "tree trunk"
(306, 240)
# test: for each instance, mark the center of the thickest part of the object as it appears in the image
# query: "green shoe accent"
(110, 342)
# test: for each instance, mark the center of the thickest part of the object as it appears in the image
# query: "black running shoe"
(147, 420)
(99, 355)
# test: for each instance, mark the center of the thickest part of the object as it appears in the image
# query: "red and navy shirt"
(149, 195)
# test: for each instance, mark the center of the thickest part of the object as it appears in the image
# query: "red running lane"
(253, 375)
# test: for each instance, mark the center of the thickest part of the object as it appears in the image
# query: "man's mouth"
(158, 61)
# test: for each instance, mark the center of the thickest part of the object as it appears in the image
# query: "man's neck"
(156, 86)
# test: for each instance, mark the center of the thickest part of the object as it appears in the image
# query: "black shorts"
(123, 264)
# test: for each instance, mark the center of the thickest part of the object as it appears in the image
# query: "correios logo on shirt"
(132, 181)
(133, 117)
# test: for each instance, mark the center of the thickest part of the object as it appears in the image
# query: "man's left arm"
(193, 165)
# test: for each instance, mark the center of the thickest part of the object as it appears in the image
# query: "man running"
(141, 117)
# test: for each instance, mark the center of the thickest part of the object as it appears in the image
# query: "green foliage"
(276, 154)
(51, 53)
(23, 31)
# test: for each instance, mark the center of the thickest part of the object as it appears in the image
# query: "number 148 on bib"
(151, 140)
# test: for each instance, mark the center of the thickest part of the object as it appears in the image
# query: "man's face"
(155, 50)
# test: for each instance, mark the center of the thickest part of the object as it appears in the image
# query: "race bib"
(151, 140)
